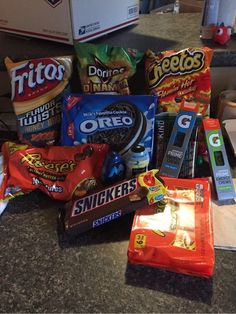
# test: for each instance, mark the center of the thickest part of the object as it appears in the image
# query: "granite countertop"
(39, 273)
(155, 31)
(91, 274)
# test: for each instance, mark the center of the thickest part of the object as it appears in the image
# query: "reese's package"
(121, 121)
(174, 75)
(177, 236)
(61, 172)
(106, 69)
(37, 88)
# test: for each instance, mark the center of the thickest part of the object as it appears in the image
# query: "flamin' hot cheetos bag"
(174, 75)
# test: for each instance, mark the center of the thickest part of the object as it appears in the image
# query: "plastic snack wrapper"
(111, 202)
(3, 203)
(60, 172)
(174, 75)
(38, 87)
(177, 236)
(106, 69)
(121, 121)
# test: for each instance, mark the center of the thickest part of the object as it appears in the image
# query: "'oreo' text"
(103, 123)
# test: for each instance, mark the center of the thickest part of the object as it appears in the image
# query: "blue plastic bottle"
(113, 169)
(137, 161)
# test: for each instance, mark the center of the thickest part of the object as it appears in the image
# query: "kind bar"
(38, 87)
(177, 75)
(178, 236)
(164, 123)
(121, 121)
(60, 172)
(179, 140)
(112, 202)
(106, 69)
(221, 172)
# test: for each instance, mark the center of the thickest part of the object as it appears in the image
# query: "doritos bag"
(177, 236)
(174, 75)
(60, 172)
(106, 69)
(38, 87)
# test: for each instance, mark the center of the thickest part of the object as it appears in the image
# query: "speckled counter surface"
(155, 31)
(91, 274)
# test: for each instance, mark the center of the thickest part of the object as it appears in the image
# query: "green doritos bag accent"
(106, 69)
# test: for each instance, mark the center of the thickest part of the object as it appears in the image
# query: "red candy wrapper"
(60, 172)
(178, 236)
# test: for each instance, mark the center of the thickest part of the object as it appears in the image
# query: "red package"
(60, 172)
(176, 75)
(178, 236)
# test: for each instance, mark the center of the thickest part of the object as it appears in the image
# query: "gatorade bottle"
(113, 169)
(137, 161)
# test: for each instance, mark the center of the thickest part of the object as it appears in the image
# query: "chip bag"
(106, 69)
(37, 88)
(176, 235)
(60, 172)
(174, 75)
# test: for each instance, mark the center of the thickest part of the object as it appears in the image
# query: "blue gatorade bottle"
(113, 169)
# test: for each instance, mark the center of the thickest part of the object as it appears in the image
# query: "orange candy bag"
(178, 236)
(60, 172)
(174, 75)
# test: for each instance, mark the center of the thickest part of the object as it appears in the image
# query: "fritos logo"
(36, 77)
(35, 160)
(181, 63)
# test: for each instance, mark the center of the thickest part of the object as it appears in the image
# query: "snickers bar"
(111, 202)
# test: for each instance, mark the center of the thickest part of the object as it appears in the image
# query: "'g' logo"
(184, 121)
(214, 140)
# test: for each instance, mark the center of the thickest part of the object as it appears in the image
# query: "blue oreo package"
(121, 121)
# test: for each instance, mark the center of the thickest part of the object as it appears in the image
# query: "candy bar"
(112, 202)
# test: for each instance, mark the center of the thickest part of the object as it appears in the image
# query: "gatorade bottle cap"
(138, 149)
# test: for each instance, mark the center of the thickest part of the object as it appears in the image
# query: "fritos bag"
(38, 87)
(178, 236)
(106, 69)
(60, 172)
(174, 75)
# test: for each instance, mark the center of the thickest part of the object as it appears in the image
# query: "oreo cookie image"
(118, 120)
(122, 137)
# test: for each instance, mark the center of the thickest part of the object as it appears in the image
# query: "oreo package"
(121, 121)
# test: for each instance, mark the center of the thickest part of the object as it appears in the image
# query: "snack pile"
(106, 149)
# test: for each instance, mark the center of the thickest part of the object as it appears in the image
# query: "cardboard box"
(66, 20)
